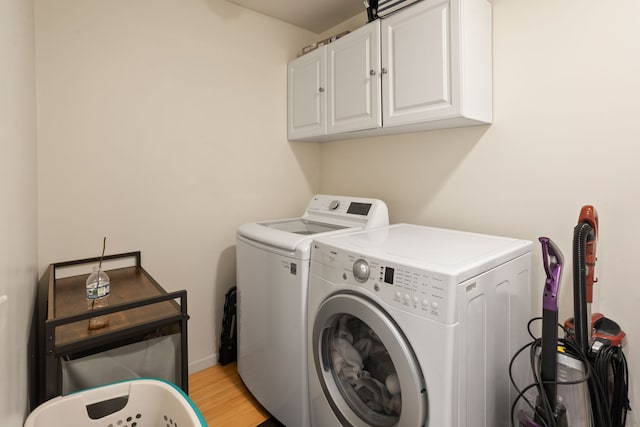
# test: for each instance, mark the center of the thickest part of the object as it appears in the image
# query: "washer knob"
(361, 270)
(334, 205)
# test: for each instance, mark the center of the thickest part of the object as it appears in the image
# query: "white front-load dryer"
(415, 326)
(272, 280)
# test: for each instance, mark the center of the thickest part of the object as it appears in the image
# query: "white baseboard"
(204, 363)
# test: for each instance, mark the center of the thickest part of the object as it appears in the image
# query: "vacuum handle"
(553, 261)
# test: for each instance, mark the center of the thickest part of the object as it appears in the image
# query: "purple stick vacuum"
(549, 411)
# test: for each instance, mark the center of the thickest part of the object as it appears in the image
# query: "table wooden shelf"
(138, 308)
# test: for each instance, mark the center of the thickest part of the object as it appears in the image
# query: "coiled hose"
(599, 403)
(581, 233)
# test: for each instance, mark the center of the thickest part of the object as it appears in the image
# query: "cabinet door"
(419, 64)
(353, 81)
(307, 108)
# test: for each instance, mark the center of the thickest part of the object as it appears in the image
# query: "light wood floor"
(223, 399)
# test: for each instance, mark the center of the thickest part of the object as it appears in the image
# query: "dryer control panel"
(421, 292)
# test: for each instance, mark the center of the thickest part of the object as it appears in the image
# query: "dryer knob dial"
(334, 205)
(361, 270)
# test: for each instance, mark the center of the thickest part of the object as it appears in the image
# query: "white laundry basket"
(133, 403)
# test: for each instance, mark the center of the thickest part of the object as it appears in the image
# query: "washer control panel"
(348, 207)
(341, 206)
(347, 211)
(424, 293)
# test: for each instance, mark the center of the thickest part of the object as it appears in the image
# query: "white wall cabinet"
(425, 67)
(336, 88)
(307, 103)
(353, 83)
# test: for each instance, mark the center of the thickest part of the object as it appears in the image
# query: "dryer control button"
(361, 270)
(334, 205)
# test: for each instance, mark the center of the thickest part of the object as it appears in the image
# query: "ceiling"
(313, 15)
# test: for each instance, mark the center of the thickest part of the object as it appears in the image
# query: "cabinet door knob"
(372, 72)
(384, 71)
(320, 89)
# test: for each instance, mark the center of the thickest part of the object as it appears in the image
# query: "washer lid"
(325, 214)
(302, 226)
(296, 240)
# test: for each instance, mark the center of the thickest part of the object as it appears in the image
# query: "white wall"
(565, 134)
(18, 198)
(162, 127)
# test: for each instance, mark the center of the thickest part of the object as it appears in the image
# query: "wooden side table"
(138, 307)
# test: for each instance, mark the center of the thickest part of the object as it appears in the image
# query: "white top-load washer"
(415, 326)
(272, 279)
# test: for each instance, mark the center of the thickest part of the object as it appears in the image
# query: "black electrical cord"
(606, 374)
(599, 402)
(521, 393)
(610, 366)
(543, 408)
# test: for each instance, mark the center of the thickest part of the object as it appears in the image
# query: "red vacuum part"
(602, 329)
(606, 330)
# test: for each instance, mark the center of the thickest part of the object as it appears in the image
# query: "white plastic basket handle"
(104, 401)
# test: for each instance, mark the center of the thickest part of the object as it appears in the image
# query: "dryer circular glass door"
(366, 366)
